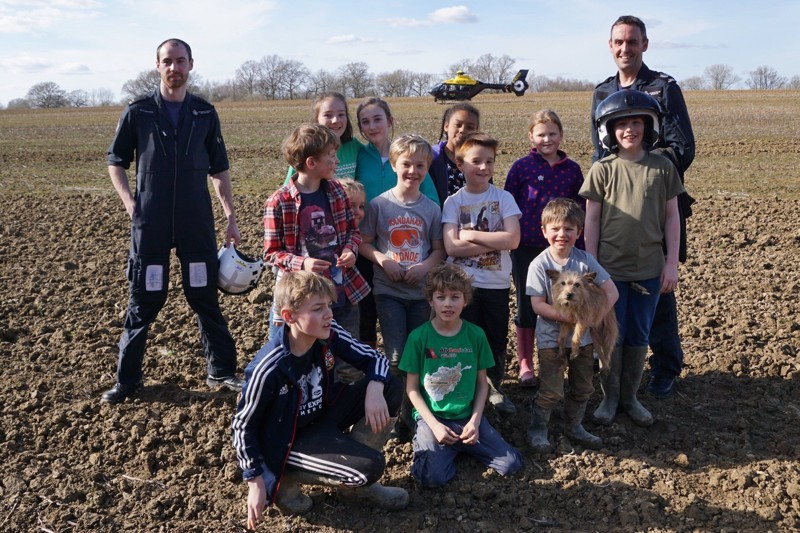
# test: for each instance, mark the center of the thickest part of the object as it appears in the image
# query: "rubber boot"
(633, 359)
(386, 498)
(500, 401)
(290, 500)
(537, 432)
(607, 410)
(527, 378)
(573, 414)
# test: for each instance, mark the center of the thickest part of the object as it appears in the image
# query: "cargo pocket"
(148, 274)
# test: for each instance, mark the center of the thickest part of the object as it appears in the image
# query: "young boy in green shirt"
(446, 361)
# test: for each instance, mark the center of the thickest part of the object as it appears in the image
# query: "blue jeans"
(635, 312)
(665, 340)
(398, 317)
(433, 464)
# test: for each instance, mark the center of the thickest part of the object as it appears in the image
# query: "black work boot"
(119, 392)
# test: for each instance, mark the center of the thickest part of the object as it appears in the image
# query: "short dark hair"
(630, 20)
(174, 42)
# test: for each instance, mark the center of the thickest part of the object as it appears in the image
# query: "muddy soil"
(722, 456)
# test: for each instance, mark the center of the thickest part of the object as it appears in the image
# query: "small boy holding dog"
(292, 423)
(562, 224)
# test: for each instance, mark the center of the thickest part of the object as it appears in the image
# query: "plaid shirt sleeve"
(280, 231)
(355, 286)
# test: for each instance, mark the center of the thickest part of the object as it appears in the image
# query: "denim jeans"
(433, 464)
(635, 312)
(398, 317)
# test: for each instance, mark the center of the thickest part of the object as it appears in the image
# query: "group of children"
(423, 243)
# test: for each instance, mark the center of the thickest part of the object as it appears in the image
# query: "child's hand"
(669, 279)
(376, 412)
(466, 234)
(414, 274)
(346, 260)
(316, 265)
(256, 501)
(469, 435)
(393, 270)
(443, 434)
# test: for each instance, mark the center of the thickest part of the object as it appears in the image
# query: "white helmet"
(238, 273)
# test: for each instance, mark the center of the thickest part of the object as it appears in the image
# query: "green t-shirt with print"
(448, 367)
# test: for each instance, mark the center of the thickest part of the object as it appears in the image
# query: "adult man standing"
(176, 140)
(627, 43)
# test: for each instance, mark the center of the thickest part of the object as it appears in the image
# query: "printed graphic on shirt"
(443, 381)
(484, 216)
(405, 239)
(311, 387)
(318, 238)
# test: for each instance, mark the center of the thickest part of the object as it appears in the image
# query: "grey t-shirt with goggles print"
(404, 232)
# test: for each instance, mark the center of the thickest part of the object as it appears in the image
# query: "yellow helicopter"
(464, 87)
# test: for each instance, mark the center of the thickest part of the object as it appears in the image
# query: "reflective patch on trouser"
(198, 275)
(154, 278)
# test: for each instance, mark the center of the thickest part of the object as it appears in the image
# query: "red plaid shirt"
(282, 233)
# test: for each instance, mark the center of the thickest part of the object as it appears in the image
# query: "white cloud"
(348, 39)
(453, 15)
(25, 64)
(75, 69)
(445, 15)
(20, 16)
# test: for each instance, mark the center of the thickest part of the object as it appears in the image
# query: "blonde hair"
(352, 187)
(475, 138)
(296, 287)
(543, 116)
(562, 210)
(410, 144)
(448, 277)
(308, 140)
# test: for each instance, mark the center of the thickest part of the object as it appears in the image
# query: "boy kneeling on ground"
(292, 421)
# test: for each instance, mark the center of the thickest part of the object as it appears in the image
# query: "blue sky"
(92, 44)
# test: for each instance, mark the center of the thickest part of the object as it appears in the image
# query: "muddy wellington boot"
(573, 425)
(386, 498)
(537, 432)
(525, 356)
(607, 410)
(290, 500)
(633, 359)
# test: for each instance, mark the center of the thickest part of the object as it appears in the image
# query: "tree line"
(275, 78)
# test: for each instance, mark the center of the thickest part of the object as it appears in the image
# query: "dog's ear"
(552, 274)
(590, 276)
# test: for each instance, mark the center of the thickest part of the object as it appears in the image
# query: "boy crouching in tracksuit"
(292, 420)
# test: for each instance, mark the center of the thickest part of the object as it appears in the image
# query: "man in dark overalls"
(627, 43)
(176, 140)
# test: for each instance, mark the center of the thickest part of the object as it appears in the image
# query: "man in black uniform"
(627, 43)
(176, 140)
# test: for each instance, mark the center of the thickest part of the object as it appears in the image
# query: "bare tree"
(321, 81)
(295, 76)
(47, 95)
(143, 84)
(543, 84)
(396, 83)
(720, 77)
(765, 78)
(504, 68)
(465, 65)
(19, 103)
(794, 83)
(101, 97)
(78, 98)
(247, 76)
(271, 76)
(421, 84)
(694, 83)
(357, 79)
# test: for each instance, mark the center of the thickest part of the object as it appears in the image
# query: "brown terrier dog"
(579, 298)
